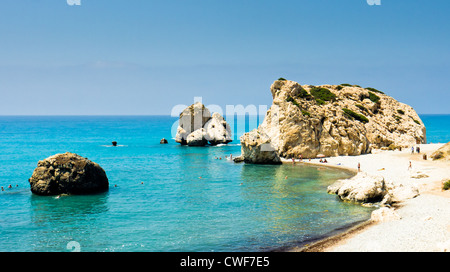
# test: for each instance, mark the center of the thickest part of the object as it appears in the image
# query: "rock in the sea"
(238, 159)
(68, 173)
(442, 153)
(258, 149)
(362, 188)
(332, 120)
(217, 130)
(163, 141)
(197, 138)
(191, 119)
(196, 127)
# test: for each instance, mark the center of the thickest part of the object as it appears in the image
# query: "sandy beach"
(424, 221)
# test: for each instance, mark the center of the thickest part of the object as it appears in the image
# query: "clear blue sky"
(145, 56)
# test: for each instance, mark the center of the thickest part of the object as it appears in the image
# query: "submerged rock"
(68, 173)
(332, 120)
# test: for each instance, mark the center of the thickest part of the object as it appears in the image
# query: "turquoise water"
(438, 128)
(160, 202)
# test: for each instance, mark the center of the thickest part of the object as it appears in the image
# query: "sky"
(145, 57)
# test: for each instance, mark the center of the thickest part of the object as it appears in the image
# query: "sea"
(165, 197)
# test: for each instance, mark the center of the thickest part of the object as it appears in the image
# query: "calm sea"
(160, 202)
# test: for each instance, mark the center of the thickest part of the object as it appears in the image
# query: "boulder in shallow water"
(362, 188)
(68, 173)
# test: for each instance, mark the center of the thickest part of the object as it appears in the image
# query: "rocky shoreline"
(330, 120)
(397, 225)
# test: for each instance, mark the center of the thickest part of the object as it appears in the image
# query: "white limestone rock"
(299, 122)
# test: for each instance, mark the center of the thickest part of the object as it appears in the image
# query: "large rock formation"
(442, 153)
(196, 127)
(331, 120)
(68, 174)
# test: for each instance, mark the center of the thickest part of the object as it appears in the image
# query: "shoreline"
(430, 207)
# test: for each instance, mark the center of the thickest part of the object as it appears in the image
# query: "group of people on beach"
(417, 149)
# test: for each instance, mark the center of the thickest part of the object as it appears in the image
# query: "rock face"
(196, 127)
(331, 120)
(442, 153)
(68, 174)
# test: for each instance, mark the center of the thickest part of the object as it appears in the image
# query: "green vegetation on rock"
(446, 185)
(373, 97)
(322, 94)
(374, 90)
(361, 107)
(353, 115)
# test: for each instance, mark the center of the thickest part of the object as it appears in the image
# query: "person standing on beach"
(359, 167)
(410, 166)
(412, 150)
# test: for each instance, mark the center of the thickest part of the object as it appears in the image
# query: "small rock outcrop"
(163, 141)
(197, 127)
(332, 120)
(362, 188)
(68, 173)
(442, 153)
